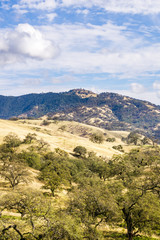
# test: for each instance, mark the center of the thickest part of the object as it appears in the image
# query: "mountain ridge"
(106, 110)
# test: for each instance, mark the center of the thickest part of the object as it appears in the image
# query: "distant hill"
(107, 110)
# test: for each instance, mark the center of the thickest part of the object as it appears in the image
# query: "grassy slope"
(74, 134)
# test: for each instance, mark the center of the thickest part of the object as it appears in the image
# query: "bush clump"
(80, 151)
(97, 137)
(119, 148)
(30, 137)
(12, 140)
(45, 123)
(110, 139)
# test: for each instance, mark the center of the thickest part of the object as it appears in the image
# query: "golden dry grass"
(74, 134)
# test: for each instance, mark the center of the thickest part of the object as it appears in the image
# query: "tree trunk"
(129, 231)
(53, 192)
(129, 223)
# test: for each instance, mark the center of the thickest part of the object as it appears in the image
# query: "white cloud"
(51, 16)
(149, 96)
(5, 4)
(25, 42)
(106, 49)
(90, 37)
(119, 6)
(80, 11)
(156, 85)
(31, 81)
(116, 6)
(84, 48)
(65, 79)
(137, 88)
(36, 4)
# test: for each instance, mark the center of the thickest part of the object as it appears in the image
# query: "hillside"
(106, 110)
(65, 135)
(46, 193)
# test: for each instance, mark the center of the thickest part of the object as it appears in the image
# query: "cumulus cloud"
(84, 48)
(25, 42)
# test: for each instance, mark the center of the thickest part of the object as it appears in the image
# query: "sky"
(99, 45)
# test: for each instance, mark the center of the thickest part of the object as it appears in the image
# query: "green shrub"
(80, 151)
(61, 152)
(13, 118)
(62, 128)
(29, 138)
(32, 159)
(119, 148)
(45, 123)
(110, 139)
(12, 140)
(97, 137)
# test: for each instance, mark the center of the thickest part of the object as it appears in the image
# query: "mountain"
(107, 110)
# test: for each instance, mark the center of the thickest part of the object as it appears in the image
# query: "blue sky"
(101, 45)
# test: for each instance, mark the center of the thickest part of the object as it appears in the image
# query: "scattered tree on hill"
(119, 148)
(45, 123)
(54, 172)
(61, 152)
(14, 119)
(13, 166)
(98, 165)
(42, 145)
(15, 173)
(110, 139)
(24, 201)
(39, 218)
(29, 138)
(62, 128)
(154, 141)
(133, 137)
(93, 204)
(136, 188)
(12, 140)
(145, 141)
(80, 151)
(97, 137)
(35, 212)
(32, 158)
(124, 190)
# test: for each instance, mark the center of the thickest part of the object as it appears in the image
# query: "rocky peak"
(83, 93)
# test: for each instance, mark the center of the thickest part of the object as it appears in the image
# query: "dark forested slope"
(107, 110)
